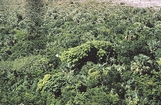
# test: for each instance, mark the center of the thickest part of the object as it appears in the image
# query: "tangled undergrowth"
(80, 53)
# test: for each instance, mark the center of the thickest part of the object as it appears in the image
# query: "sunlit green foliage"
(90, 51)
(86, 53)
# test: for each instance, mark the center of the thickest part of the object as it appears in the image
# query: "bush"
(95, 51)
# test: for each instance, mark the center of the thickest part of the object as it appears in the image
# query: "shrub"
(95, 51)
(31, 66)
(142, 64)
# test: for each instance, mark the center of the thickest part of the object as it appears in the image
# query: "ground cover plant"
(79, 53)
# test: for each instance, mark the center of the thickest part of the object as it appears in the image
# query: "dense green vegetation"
(85, 53)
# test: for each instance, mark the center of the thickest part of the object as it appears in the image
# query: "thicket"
(86, 53)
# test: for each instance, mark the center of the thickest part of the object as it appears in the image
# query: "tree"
(35, 10)
(31, 39)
